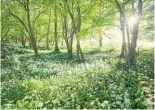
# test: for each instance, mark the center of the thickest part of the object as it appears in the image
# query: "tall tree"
(132, 53)
(65, 28)
(121, 8)
(56, 27)
(29, 29)
(74, 28)
(79, 51)
(48, 30)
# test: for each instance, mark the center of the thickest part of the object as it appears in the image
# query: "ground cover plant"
(103, 81)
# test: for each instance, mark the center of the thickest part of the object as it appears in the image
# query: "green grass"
(53, 81)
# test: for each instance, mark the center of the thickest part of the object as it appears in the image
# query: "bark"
(65, 34)
(122, 23)
(100, 31)
(128, 38)
(65, 29)
(135, 35)
(70, 11)
(71, 46)
(100, 38)
(122, 19)
(62, 41)
(75, 29)
(23, 35)
(32, 35)
(134, 43)
(23, 42)
(48, 30)
(22, 39)
(79, 51)
(56, 27)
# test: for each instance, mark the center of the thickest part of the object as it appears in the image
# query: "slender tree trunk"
(128, 38)
(52, 40)
(100, 31)
(73, 30)
(65, 30)
(56, 27)
(71, 47)
(48, 30)
(22, 39)
(62, 42)
(79, 51)
(63, 33)
(135, 35)
(32, 35)
(122, 22)
(134, 43)
(100, 38)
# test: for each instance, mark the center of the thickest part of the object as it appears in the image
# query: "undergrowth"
(53, 81)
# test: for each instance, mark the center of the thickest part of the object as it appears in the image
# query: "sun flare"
(132, 20)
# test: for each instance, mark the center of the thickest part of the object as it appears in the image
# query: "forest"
(77, 54)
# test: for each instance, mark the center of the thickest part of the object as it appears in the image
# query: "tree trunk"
(134, 43)
(100, 31)
(79, 51)
(135, 35)
(32, 35)
(69, 41)
(23, 41)
(65, 35)
(100, 38)
(62, 42)
(65, 32)
(122, 22)
(48, 30)
(55, 28)
(128, 38)
(71, 47)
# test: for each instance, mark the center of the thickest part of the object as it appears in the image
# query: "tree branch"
(39, 15)
(118, 6)
(126, 2)
(15, 16)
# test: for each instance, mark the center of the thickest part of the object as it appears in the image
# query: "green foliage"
(52, 81)
(7, 49)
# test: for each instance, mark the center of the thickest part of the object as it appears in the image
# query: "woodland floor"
(53, 81)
